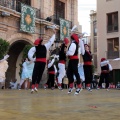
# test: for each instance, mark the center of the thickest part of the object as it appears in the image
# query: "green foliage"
(25, 51)
(93, 69)
(4, 47)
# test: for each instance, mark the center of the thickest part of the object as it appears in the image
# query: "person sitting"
(13, 84)
(95, 81)
(105, 70)
(52, 70)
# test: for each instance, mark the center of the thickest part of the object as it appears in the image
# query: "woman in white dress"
(3, 69)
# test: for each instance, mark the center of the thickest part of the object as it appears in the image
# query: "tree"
(4, 47)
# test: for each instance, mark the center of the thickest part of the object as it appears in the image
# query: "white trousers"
(61, 71)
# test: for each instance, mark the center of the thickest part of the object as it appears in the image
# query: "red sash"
(41, 60)
(73, 57)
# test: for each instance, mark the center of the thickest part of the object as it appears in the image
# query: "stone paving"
(58, 105)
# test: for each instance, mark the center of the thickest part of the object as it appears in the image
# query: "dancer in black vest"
(62, 61)
(73, 64)
(105, 69)
(40, 51)
(87, 59)
(51, 73)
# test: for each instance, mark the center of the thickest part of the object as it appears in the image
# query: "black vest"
(62, 54)
(105, 67)
(51, 68)
(41, 51)
(87, 57)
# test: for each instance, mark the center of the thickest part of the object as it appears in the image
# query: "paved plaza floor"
(58, 105)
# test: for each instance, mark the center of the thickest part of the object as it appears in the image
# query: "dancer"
(40, 51)
(30, 67)
(3, 69)
(87, 59)
(73, 64)
(52, 70)
(25, 74)
(13, 84)
(62, 61)
(105, 69)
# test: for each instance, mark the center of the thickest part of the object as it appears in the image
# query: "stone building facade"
(10, 16)
(108, 35)
(93, 36)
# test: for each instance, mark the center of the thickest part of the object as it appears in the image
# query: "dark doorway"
(14, 52)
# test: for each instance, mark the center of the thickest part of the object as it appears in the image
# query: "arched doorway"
(14, 60)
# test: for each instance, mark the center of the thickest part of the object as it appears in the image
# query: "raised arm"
(104, 63)
(116, 59)
(82, 48)
(51, 63)
(50, 42)
(5, 58)
(55, 69)
(31, 52)
(110, 67)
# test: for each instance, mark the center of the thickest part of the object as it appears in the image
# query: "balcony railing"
(112, 28)
(8, 3)
(55, 19)
(12, 4)
(112, 54)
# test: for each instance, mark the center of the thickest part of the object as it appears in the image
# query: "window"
(8, 3)
(113, 48)
(59, 10)
(112, 22)
(95, 60)
(108, 0)
(18, 4)
(95, 44)
(95, 28)
(27, 2)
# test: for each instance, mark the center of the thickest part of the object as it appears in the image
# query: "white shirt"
(51, 63)
(47, 45)
(82, 48)
(71, 49)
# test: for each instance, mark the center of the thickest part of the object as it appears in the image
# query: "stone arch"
(20, 36)
(17, 44)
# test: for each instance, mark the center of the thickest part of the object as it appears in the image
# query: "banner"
(28, 15)
(64, 28)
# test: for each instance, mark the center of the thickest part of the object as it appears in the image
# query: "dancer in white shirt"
(40, 51)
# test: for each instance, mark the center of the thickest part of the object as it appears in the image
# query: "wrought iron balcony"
(16, 5)
(112, 54)
(55, 19)
(8, 3)
(112, 28)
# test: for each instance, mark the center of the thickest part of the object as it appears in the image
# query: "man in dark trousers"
(72, 53)
(52, 70)
(40, 50)
(87, 59)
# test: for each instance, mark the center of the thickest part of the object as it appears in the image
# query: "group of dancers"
(71, 52)
(71, 49)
